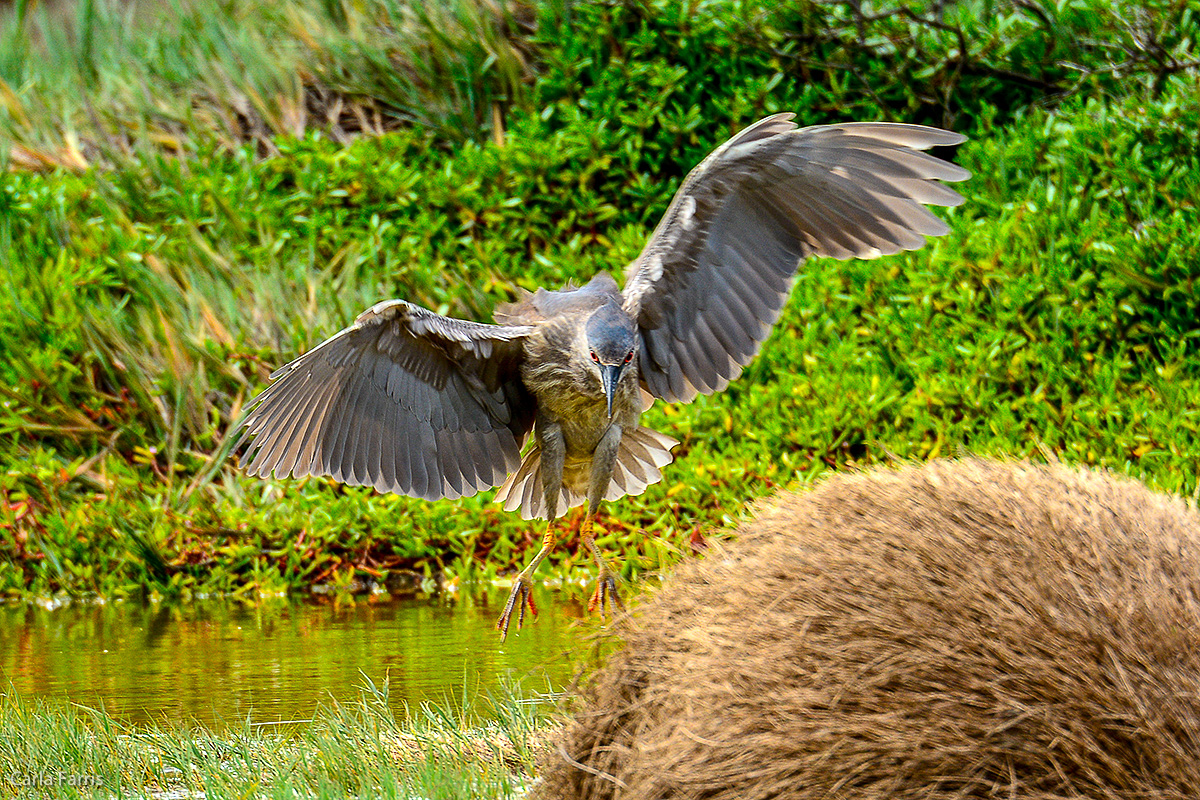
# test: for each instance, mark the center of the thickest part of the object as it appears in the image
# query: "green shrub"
(145, 303)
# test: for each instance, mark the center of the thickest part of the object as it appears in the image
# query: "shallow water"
(219, 663)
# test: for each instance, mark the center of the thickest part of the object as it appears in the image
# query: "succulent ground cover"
(191, 195)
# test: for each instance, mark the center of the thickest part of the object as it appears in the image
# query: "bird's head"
(611, 338)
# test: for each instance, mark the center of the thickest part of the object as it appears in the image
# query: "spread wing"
(403, 400)
(711, 281)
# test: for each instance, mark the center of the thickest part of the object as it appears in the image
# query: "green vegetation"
(351, 750)
(190, 196)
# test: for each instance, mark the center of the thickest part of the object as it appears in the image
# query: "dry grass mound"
(963, 629)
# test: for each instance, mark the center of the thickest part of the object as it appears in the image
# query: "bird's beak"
(609, 375)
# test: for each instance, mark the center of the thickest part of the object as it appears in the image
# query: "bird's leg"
(553, 455)
(603, 462)
(606, 580)
(522, 591)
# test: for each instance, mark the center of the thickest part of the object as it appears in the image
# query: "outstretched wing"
(403, 400)
(711, 281)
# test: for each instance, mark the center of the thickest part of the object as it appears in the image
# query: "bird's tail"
(642, 455)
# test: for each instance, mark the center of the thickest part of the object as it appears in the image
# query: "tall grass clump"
(958, 629)
(355, 749)
(101, 81)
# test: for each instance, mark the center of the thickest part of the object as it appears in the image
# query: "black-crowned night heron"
(412, 402)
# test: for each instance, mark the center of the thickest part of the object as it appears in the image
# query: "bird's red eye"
(629, 357)
(595, 357)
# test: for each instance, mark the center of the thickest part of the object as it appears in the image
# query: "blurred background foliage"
(192, 193)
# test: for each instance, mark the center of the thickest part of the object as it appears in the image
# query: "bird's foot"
(606, 592)
(521, 596)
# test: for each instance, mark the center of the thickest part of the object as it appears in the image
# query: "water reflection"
(220, 663)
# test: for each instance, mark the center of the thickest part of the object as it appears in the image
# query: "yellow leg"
(522, 591)
(606, 584)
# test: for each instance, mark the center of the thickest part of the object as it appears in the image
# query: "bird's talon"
(606, 594)
(519, 599)
(616, 598)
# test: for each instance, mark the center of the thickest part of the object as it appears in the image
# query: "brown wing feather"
(403, 400)
(713, 278)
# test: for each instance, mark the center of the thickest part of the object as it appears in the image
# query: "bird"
(545, 402)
